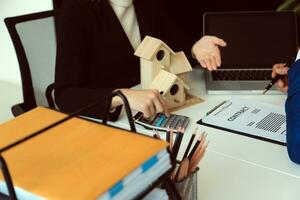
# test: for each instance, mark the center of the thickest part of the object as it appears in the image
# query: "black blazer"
(94, 55)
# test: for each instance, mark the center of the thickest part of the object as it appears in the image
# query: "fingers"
(285, 88)
(144, 107)
(273, 73)
(280, 69)
(160, 104)
(154, 104)
(202, 63)
(211, 62)
(219, 41)
(207, 52)
(149, 102)
(164, 105)
(207, 64)
(151, 108)
(282, 85)
(279, 65)
(218, 57)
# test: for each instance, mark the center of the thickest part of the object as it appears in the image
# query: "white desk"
(237, 167)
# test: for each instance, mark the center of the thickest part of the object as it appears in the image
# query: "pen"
(196, 145)
(190, 144)
(272, 82)
(171, 139)
(183, 169)
(178, 141)
(197, 157)
(168, 135)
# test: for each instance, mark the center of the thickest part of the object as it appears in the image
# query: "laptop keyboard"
(241, 75)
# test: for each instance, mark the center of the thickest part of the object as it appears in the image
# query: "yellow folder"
(77, 159)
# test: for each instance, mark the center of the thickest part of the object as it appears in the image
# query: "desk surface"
(237, 167)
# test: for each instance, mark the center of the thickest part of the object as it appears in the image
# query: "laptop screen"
(254, 39)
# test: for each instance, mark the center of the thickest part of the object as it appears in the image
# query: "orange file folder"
(77, 159)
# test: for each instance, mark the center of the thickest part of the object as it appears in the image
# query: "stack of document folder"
(79, 159)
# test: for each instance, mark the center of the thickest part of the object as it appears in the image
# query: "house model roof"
(165, 80)
(149, 47)
(179, 63)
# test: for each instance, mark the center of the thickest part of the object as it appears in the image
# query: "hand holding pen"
(279, 76)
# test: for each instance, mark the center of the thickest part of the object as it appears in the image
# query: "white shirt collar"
(122, 3)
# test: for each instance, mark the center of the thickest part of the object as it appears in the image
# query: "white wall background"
(10, 82)
(9, 71)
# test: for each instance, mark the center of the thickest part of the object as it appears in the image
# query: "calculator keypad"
(172, 122)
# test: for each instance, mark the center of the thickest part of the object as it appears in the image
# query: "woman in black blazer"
(95, 57)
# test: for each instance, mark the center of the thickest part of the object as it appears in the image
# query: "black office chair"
(34, 39)
(57, 4)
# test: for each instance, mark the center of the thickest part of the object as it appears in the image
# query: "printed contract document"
(256, 119)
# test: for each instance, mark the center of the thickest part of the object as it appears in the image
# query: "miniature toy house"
(172, 88)
(154, 54)
(164, 70)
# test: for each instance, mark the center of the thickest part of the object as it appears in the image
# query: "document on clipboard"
(254, 119)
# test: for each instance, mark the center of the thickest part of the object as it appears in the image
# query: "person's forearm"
(117, 101)
(70, 99)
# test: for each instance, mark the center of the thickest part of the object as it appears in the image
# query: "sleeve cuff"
(114, 113)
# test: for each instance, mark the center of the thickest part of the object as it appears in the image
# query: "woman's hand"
(281, 69)
(149, 102)
(207, 52)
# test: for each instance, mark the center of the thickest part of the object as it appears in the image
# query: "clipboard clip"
(218, 106)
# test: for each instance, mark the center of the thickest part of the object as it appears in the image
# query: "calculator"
(162, 122)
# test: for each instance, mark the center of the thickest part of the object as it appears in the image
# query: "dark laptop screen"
(254, 39)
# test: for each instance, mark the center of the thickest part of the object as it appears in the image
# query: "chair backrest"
(57, 4)
(34, 39)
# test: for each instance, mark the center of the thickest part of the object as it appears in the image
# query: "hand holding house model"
(164, 70)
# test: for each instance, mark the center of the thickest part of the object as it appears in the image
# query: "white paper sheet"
(250, 117)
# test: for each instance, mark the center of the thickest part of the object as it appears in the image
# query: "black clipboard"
(236, 132)
(241, 133)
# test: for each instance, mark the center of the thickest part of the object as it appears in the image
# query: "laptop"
(255, 41)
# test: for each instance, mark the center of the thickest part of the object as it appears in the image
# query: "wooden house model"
(164, 70)
(172, 88)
